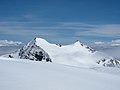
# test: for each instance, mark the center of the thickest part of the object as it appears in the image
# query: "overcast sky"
(61, 21)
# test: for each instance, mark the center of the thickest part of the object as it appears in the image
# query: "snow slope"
(18, 74)
(75, 54)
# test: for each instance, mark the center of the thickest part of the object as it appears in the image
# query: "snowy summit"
(75, 54)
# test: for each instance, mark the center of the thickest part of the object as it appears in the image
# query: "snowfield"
(20, 74)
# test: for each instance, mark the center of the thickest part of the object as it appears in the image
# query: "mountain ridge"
(75, 54)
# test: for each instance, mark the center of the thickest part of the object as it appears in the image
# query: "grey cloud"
(108, 44)
(102, 30)
(53, 28)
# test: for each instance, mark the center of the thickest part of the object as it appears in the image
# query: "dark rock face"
(10, 56)
(39, 56)
(90, 49)
(33, 52)
(109, 63)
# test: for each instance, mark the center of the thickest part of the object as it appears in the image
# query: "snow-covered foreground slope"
(18, 74)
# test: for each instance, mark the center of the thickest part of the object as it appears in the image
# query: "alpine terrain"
(75, 54)
(74, 67)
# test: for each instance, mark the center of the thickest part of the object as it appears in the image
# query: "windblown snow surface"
(20, 74)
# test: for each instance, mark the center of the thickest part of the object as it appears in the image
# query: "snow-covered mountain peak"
(41, 41)
(32, 51)
(85, 48)
(75, 54)
(78, 43)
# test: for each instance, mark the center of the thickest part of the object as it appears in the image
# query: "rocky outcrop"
(33, 52)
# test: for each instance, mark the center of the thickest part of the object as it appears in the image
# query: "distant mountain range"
(75, 54)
